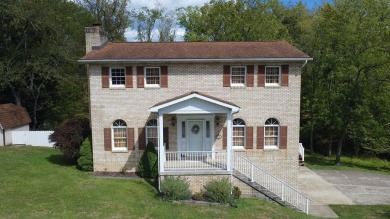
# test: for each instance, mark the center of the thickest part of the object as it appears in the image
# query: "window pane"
(238, 75)
(272, 75)
(120, 137)
(152, 75)
(117, 76)
(207, 129)
(183, 129)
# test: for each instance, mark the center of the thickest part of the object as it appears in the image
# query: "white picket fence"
(34, 138)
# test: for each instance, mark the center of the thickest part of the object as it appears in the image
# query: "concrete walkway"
(321, 193)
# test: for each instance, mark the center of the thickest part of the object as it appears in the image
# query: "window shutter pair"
(282, 140)
(249, 137)
(106, 77)
(249, 75)
(142, 138)
(163, 76)
(107, 139)
(261, 76)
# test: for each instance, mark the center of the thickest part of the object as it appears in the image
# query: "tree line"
(345, 104)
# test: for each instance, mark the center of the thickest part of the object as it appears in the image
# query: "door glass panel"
(207, 129)
(183, 129)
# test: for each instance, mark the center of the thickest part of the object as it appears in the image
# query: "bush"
(69, 136)
(175, 188)
(199, 196)
(236, 192)
(85, 161)
(148, 164)
(218, 191)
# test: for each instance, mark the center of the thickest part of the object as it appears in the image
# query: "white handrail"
(194, 160)
(302, 151)
(271, 183)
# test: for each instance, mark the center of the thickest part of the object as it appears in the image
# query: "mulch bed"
(128, 175)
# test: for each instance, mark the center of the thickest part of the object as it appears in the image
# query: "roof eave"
(195, 60)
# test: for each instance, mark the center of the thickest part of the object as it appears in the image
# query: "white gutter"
(196, 60)
(305, 62)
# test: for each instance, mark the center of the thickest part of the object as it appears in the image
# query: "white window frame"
(159, 76)
(119, 126)
(150, 125)
(231, 76)
(241, 147)
(124, 78)
(274, 124)
(279, 76)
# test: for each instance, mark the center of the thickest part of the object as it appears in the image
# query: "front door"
(195, 135)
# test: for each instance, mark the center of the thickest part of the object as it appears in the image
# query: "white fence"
(34, 138)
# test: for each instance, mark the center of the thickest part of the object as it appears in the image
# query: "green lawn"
(320, 162)
(39, 183)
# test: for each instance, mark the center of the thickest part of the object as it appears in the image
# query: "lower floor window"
(119, 131)
(271, 133)
(238, 132)
(151, 132)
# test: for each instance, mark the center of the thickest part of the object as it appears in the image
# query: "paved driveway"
(361, 187)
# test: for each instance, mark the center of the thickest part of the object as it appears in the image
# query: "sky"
(171, 5)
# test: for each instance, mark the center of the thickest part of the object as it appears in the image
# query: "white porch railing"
(271, 183)
(302, 151)
(195, 161)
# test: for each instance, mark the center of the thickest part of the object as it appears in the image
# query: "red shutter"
(224, 138)
(164, 76)
(141, 139)
(140, 76)
(129, 77)
(226, 75)
(260, 137)
(166, 137)
(283, 137)
(284, 75)
(130, 139)
(261, 76)
(105, 77)
(250, 75)
(249, 137)
(107, 139)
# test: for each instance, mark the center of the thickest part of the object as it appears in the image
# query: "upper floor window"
(238, 133)
(117, 77)
(271, 133)
(151, 132)
(238, 75)
(119, 135)
(152, 76)
(272, 75)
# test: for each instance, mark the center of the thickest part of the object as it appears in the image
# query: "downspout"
(304, 63)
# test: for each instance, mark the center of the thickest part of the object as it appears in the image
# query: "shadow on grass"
(326, 162)
(61, 160)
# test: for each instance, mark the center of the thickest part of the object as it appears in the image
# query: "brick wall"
(257, 105)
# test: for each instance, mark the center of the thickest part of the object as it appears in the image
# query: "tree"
(350, 44)
(148, 164)
(146, 19)
(112, 15)
(85, 161)
(166, 28)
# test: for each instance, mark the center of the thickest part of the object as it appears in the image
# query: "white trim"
(194, 95)
(110, 78)
(196, 60)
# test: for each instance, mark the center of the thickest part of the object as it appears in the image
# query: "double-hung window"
(119, 135)
(117, 77)
(152, 76)
(151, 132)
(271, 133)
(272, 76)
(238, 133)
(238, 75)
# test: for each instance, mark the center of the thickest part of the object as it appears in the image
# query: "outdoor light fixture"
(217, 120)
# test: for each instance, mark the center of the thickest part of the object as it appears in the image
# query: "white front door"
(195, 135)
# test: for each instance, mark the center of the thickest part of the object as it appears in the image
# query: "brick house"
(12, 118)
(212, 109)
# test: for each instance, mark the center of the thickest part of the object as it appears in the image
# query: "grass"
(320, 162)
(39, 183)
(362, 211)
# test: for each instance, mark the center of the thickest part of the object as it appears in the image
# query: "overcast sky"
(171, 5)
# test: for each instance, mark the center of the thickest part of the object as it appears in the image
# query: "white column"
(229, 141)
(161, 142)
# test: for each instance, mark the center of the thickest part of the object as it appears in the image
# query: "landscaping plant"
(85, 161)
(175, 188)
(148, 165)
(218, 190)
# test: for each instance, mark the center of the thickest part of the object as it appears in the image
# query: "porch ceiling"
(194, 103)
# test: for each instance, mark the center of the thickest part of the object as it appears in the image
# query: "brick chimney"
(95, 37)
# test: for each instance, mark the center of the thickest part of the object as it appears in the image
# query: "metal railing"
(271, 183)
(195, 160)
(302, 151)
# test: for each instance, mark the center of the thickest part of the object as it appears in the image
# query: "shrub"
(148, 164)
(85, 161)
(236, 192)
(175, 188)
(218, 191)
(69, 136)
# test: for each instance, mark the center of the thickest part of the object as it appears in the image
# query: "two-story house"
(212, 109)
